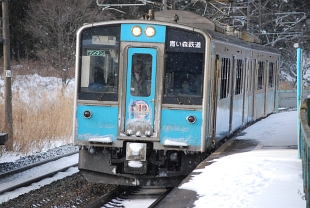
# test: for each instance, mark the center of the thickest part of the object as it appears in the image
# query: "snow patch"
(168, 142)
(101, 139)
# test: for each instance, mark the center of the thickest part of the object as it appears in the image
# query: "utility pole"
(173, 5)
(164, 4)
(8, 121)
(260, 16)
(299, 96)
(248, 17)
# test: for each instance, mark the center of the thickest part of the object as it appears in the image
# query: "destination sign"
(95, 53)
(183, 41)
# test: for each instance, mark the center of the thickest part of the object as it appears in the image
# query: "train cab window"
(183, 78)
(225, 74)
(239, 77)
(260, 75)
(99, 64)
(141, 75)
(271, 75)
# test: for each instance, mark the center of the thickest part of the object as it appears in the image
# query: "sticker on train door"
(139, 110)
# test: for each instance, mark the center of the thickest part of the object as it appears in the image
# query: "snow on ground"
(132, 202)
(276, 130)
(261, 178)
(26, 85)
(9, 156)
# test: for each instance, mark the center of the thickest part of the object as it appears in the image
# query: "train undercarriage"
(160, 168)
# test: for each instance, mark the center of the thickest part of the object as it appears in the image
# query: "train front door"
(140, 92)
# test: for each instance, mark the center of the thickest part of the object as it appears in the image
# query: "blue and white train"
(154, 96)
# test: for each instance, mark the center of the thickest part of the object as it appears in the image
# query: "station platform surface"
(259, 167)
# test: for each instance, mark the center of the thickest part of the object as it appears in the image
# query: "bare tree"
(54, 24)
(278, 23)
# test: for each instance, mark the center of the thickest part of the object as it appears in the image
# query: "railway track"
(25, 176)
(128, 197)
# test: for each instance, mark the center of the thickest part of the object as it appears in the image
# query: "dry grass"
(36, 126)
(38, 121)
(286, 86)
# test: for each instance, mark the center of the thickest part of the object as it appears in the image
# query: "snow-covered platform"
(257, 168)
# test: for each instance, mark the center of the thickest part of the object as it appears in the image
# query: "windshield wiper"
(105, 89)
(178, 99)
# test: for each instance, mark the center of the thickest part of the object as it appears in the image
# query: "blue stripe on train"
(159, 36)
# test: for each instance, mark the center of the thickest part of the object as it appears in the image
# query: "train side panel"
(245, 87)
(238, 111)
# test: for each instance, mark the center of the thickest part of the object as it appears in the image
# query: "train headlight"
(191, 119)
(150, 31)
(136, 151)
(87, 114)
(136, 31)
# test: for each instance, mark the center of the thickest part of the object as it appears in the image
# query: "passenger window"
(271, 75)
(225, 73)
(260, 75)
(239, 77)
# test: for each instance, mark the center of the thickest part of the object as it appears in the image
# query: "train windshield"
(183, 67)
(183, 78)
(99, 63)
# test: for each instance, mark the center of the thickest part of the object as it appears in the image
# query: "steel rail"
(106, 198)
(155, 203)
(35, 165)
(29, 182)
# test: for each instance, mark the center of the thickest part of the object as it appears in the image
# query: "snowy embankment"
(42, 114)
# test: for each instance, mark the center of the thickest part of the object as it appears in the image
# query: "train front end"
(141, 102)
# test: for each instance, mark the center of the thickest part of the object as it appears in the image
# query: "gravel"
(37, 157)
(72, 191)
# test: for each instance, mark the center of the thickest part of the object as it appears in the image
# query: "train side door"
(140, 91)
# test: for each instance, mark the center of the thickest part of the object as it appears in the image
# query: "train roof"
(215, 30)
(230, 39)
